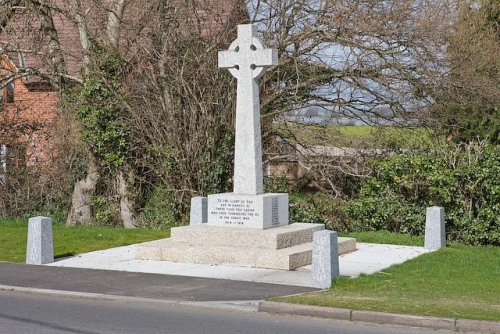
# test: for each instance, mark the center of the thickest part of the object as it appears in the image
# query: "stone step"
(285, 259)
(274, 238)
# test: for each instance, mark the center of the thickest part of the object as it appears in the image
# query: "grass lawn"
(457, 282)
(71, 240)
(384, 237)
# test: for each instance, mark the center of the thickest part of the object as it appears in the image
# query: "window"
(16, 155)
(9, 88)
(7, 93)
(3, 162)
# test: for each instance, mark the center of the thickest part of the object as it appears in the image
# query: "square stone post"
(435, 237)
(325, 258)
(198, 213)
(40, 249)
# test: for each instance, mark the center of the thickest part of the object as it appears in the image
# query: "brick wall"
(32, 106)
(39, 106)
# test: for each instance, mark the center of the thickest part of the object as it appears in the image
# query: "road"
(33, 313)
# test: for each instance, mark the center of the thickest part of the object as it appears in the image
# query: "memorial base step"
(273, 238)
(285, 259)
(285, 248)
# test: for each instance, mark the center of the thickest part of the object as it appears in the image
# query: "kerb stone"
(435, 237)
(198, 211)
(325, 258)
(40, 249)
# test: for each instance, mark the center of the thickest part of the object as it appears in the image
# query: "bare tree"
(153, 107)
(182, 106)
(96, 57)
(372, 62)
(468, 99)
(60, 43)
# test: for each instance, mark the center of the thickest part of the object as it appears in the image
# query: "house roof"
(24, 38)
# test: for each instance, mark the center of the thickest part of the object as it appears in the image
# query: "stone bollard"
(325, 258)
(40, 249)
(435, 237)
(199, 211)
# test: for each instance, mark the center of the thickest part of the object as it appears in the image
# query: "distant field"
(361, 136)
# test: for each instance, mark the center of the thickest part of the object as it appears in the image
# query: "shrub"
(160, 211)
(320, 209)
(462, 178)
(27, 192)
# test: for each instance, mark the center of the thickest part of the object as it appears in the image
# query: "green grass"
(363, 137)
(384, 237)
(457, 282)
(71, 240)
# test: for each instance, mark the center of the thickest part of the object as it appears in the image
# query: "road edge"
(461, 325)
(235, 305)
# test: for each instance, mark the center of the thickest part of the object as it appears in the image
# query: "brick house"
(28, 103)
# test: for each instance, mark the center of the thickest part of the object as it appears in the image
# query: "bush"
(319, 209)
(26, 192)
(462, 178)
(160, 211)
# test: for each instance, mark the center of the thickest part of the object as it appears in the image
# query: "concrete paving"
(367, 259)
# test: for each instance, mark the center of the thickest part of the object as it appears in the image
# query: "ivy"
(100, 111)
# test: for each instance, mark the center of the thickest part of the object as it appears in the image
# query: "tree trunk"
(127, 212)
(115, 17)
(54, 47)
(83, 33)
(3, 211)
(81, 212)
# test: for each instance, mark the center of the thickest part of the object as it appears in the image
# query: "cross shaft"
(247, 60)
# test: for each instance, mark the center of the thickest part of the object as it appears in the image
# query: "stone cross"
(247, 60)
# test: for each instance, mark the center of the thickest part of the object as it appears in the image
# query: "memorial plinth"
(287, 248)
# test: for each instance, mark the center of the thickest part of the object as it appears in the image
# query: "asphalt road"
(143, 285)
(32, 313)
